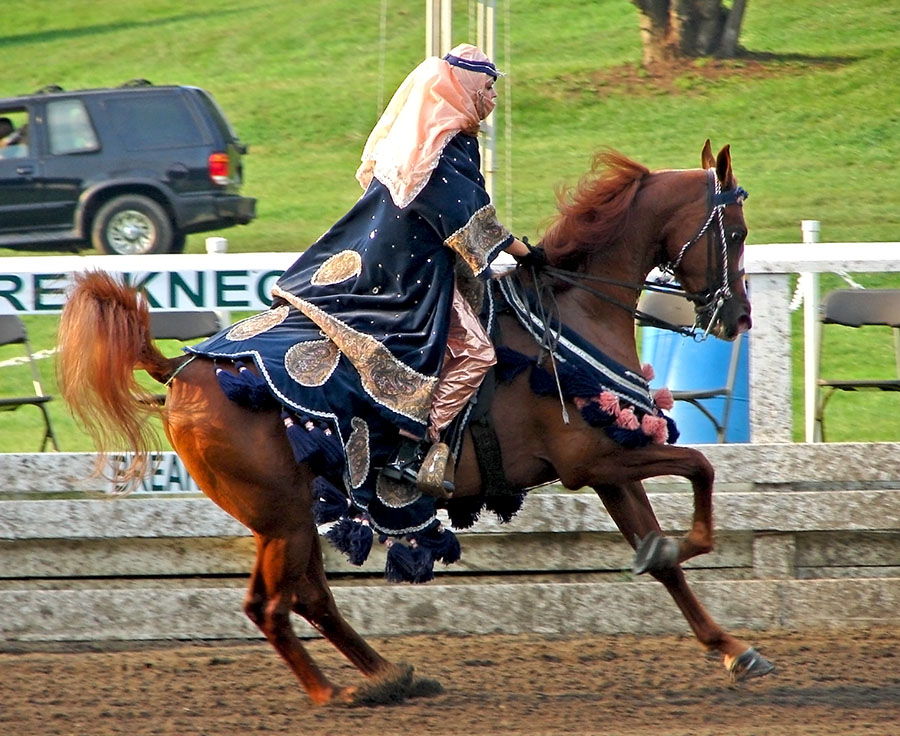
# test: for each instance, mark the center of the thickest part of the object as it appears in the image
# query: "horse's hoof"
(749, 665)
(654, 553)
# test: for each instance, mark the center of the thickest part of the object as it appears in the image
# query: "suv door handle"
(25, 170)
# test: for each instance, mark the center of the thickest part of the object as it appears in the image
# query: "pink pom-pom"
(627, 419)
(609, 402)
(663, 399)
(656, 428)
(647, 372)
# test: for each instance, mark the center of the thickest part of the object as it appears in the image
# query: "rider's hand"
(535, 258)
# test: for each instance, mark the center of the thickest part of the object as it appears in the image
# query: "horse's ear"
(706, 158)
(723, 166)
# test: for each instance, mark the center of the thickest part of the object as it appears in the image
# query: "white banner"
(227, 281)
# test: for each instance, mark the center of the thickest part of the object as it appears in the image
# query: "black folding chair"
(183, 325)
(13, 332)
(857, 308)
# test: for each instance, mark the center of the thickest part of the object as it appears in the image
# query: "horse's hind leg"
(270, 599)
(388, 682)
(289, 576)
(630, 508)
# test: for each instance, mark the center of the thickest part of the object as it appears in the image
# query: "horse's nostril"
(744, 324)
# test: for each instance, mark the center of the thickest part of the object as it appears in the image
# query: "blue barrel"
(681, 363)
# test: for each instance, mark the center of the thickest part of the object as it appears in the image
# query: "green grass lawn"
(811, 114)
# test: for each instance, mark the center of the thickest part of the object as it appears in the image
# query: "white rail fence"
(241, 281)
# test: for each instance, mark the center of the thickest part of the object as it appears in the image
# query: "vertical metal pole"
(438, 27)
(811, 338)
(485, 34)
(446, 27)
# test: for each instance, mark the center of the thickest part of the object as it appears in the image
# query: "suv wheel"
(132, 224)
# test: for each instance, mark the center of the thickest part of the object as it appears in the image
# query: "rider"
(391, 268)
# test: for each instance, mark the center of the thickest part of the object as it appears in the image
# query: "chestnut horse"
(620, 223)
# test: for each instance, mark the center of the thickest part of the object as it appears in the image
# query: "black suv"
(130, 170)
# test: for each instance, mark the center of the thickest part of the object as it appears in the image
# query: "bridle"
(711, 301)
(718, 277)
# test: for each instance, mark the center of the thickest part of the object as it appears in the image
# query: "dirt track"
(826, 683)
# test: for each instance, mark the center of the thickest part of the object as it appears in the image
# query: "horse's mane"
(597, 211)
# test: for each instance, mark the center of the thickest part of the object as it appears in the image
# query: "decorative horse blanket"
(608, 396)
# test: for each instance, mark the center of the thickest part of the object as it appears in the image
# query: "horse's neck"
(605, 325)
(610, 329)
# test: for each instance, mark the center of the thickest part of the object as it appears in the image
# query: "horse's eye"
(736, 236)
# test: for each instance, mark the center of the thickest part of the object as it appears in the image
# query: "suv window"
(70, 127)
(154, 122)
(13, 133)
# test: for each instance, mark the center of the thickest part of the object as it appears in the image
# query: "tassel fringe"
(330, 504)
(314, 443)
(408, 564)
(246, 388)
(353, 537)
(603, 409)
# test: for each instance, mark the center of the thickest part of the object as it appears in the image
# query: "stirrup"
(404, 466)
(432, 476)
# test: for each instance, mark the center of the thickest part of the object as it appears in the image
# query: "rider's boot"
(421, 464)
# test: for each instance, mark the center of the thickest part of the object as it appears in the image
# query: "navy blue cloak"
(355, 339)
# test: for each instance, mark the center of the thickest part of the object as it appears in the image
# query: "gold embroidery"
(311, 363)
(395, 494)
(340, 267)
(357, 451)
(258, 323)
(478, 237)
(471, 288)
(387, 380)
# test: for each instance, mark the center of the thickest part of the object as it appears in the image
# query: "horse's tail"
(104, 334)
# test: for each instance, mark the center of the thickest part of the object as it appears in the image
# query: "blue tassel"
(464, 511)
(542, 382)
(303, 442)
(329, 504)
(595, 416)
(442, 543)
(408, 564)
(674, 434)
(353, 538)
(628, 438)
(318, 447)
(576, 382)
(332, 451)
(246, 388)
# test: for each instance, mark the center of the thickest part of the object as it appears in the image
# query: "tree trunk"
(729, 45)
(673, 29)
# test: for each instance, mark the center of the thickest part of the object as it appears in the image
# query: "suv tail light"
(219, 166)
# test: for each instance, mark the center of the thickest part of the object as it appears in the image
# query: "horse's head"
(704, 244)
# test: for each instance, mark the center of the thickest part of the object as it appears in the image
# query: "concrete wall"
(807, 536)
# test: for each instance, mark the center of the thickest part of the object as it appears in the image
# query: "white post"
(485, 33)
(438, 27)
(216, 245)
(810, 291)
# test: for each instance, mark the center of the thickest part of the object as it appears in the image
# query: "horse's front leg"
(633, 466)
(630, 509)
(688, 463)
